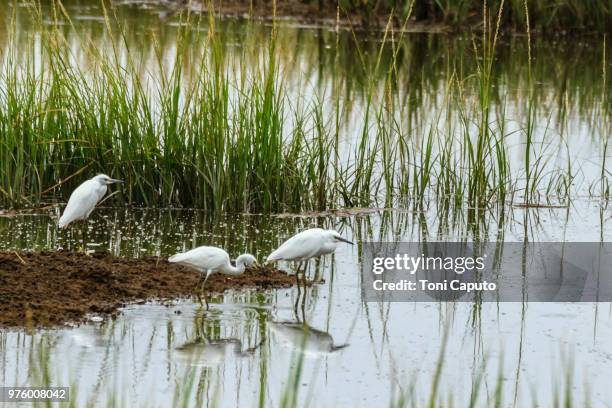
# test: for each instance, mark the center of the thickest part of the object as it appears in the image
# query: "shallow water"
(158, 355)
(236, 355)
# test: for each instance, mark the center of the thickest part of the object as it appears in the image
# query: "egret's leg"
(198, 287)
(301, 268)
(201, 293)
(297, 268)
(297, 273)
(83, 229)
(305, 291)
(201, 290)
(297, 282)
(304, 274)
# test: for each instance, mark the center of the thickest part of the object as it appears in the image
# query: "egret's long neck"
(235, 270)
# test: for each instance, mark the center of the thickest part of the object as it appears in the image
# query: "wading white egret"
(208, 260)
(84, 199)
(312, 243)
(301, 247)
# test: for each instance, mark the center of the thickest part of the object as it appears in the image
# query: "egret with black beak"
(208, 260)
(84, 199)
(312, 243)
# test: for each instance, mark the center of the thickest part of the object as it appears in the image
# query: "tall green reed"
(216, 132)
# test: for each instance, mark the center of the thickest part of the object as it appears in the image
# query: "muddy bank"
(53, 288)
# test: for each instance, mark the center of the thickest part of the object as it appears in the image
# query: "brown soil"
(53, 288)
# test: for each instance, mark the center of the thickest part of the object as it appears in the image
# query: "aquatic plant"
(223, 134)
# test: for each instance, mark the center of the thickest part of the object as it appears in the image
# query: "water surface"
(240, 353)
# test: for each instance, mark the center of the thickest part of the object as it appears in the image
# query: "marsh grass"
(197, 386)
(487, 389)
(221, 134)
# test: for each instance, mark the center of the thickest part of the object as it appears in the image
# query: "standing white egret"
(84, 199)
(312, 243)
(301, 247)
(208, 260)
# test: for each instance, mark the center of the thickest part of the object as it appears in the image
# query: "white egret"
(84, 199)
(208, 260)
(312, 243)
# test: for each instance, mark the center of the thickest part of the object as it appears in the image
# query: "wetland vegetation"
(220, 130)
(239, 133)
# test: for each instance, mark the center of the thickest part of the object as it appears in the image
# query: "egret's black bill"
(344, 240)
(116, 181)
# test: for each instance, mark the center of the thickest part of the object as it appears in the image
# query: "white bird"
(312, 243)
(208, 260)
(84, 199)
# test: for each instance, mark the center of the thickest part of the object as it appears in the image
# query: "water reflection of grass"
(485, 392)
(189, 386)
(192, 385)
(197, 386)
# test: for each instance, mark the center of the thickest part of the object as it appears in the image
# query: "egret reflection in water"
(204, 352)
(303, 338)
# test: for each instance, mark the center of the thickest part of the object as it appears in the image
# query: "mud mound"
(53, 288)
